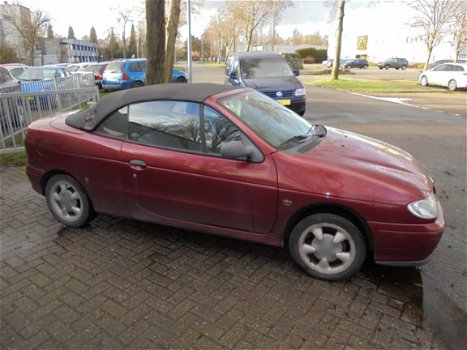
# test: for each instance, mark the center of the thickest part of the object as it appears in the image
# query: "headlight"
(300, 92)
(426, 208)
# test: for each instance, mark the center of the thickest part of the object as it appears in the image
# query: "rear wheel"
(327, 246)
(452, 85)
(403, 67)
(180, 80)
(68, 201)
(137, 84)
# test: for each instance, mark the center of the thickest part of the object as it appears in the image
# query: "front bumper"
(410, 244)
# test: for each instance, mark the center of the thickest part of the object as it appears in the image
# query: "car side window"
(168, 124)
(115, 125)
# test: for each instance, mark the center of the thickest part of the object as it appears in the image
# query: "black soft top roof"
(89, 118)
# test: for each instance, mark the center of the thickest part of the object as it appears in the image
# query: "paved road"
(438, 141)
(124, 284)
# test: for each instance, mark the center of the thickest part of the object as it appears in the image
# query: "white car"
(452, 75)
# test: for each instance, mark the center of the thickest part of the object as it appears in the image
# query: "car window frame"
(203, 152)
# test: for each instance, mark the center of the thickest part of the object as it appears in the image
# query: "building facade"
(76, 51)
(9, 35)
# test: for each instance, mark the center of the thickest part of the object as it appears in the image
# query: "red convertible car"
(232, 162)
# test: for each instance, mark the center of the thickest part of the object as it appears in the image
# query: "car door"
(175, 170)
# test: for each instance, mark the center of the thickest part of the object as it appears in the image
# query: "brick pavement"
(125, 284)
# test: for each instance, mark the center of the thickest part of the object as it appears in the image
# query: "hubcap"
(327, 248)
(66, 201)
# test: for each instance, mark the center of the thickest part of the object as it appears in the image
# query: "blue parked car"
(37, 80)
(130, 73)
(268, 73)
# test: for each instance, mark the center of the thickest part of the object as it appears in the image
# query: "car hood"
(274, 83)
(345, 164)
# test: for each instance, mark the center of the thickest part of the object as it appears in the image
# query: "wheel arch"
(326, 208)
(51, 173)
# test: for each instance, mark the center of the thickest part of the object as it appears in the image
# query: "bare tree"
(31, 27)
(434, 18)
(459, 33)
(253, 14)
(124, 16)
(339, 30)
(172, 31)
(155, 41)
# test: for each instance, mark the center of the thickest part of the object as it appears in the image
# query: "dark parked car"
(268, 73)
(356, 63)
(395, 62)
(232, 162)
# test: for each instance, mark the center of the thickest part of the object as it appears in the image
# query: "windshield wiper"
(294, 139)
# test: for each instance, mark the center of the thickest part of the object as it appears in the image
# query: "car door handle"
(138, 163)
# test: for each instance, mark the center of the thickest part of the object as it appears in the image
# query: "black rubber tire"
(137, 84)
(333, 221)
(180, 80)
(424, 81)
(81, 203)
(452, 85)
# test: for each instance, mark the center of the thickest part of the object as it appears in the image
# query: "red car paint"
(259, 202)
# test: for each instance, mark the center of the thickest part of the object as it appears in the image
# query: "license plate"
(283, 102)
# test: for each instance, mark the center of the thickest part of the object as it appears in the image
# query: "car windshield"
(277, 125)
(38, 74)
(114, 67)
(254, 68)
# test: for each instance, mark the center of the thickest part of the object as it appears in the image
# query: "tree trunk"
(155, 41)
(430, 50)
(172, 31)
(340, 28)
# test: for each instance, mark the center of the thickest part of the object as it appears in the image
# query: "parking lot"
(125, 284)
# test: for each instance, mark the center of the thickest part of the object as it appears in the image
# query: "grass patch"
(386, 86)
(14, 159)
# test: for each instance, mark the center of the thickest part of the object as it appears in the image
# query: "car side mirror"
(233, 76)
(236, 150)
(296, 72)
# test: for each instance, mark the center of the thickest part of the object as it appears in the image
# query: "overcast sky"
(308, 16)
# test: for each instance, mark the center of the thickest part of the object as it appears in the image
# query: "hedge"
(294, 60)
(312, 55)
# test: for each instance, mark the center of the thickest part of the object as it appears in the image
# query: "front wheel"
(180, 80)
(424, 81)
(327, 246)
(68, 201)
(452, 85)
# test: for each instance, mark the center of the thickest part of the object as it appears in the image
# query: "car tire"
(137, 84)
(424, 81)
(397, 68)
(403, 67)
(180, 80)
(327, 246)
(68, 201)
(452, 85)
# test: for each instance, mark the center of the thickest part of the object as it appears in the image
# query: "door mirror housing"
(236, 150)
